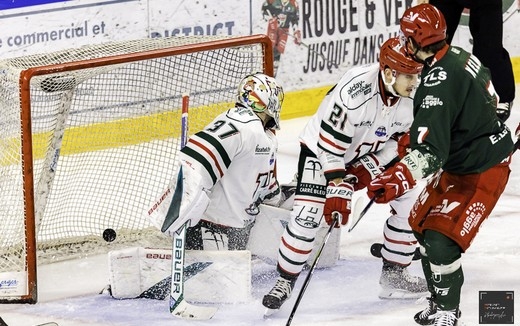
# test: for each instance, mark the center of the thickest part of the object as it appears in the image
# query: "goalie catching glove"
(338, 199)
(391, 183)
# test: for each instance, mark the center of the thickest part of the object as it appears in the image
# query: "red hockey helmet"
(424, 23)
(392, 54)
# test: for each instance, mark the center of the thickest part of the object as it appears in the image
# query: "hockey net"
(89, 137)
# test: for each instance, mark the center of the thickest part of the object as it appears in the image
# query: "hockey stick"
(336, 220)
(178, 305)
(358, 218)
(3, 323)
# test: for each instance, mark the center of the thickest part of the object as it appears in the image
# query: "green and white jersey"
(455, 124)
(235, 157)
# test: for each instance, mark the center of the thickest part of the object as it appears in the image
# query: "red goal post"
(89, 136)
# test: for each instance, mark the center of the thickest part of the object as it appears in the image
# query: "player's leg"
(446, 222)
(486, 28)
(297, 240)
(399, 247)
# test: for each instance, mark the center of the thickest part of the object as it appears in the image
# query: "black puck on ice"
(109, 235)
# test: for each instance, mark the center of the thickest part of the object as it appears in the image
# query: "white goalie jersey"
(355, 119)
(235, 157)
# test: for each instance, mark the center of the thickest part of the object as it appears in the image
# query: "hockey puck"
(109, 235)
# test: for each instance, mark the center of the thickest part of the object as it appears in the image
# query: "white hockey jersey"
(236, 158)
(357, 118)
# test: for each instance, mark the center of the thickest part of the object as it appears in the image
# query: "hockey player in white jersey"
(228, 168)
(348, 141)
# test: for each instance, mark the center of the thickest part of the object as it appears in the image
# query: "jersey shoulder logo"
(435, 77)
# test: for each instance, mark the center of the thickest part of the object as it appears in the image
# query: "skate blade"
(269, 312)
(401, 294)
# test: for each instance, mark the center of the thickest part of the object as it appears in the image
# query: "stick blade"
(185, 310)
(357, 208)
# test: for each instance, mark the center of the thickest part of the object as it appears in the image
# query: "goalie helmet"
(393, 55)
(262, 94)
(423, 23)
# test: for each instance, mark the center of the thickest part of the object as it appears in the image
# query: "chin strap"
(389, 86)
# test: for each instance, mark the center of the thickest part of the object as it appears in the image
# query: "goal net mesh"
(104, 137)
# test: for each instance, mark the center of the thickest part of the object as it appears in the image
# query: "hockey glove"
(403, 145)
(339, 198)
(504, 110)
(391, 184)
(297, 37)
(365, 169)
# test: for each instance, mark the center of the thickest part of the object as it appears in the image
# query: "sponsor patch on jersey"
(359, 88)
(367, 123)
(259, 150)
(431, 101)
(381, 131)
(435, 77)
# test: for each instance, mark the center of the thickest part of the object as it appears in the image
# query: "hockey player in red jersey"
(281, 16)
(349, 140)
(457, 137)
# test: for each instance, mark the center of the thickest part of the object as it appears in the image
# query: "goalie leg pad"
(146, 272)
(210, 236)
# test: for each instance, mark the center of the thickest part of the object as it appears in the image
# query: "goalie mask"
(262, 94)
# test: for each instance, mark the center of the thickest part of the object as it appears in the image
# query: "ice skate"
(431, 315)
(397, 283)
(446, 317)
(278, 295)
(425, 317)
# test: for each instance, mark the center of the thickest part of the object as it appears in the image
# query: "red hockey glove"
(365, 169)
(394, 182)
(403, 145)
(297, 37)
(338, 199)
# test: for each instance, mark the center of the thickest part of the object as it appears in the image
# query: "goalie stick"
(178, 305)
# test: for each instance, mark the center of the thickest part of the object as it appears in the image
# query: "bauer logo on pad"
(496, 307)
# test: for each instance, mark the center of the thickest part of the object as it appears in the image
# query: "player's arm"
(429, 143)
(204, 161)
(335, 137)
(294, 19)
